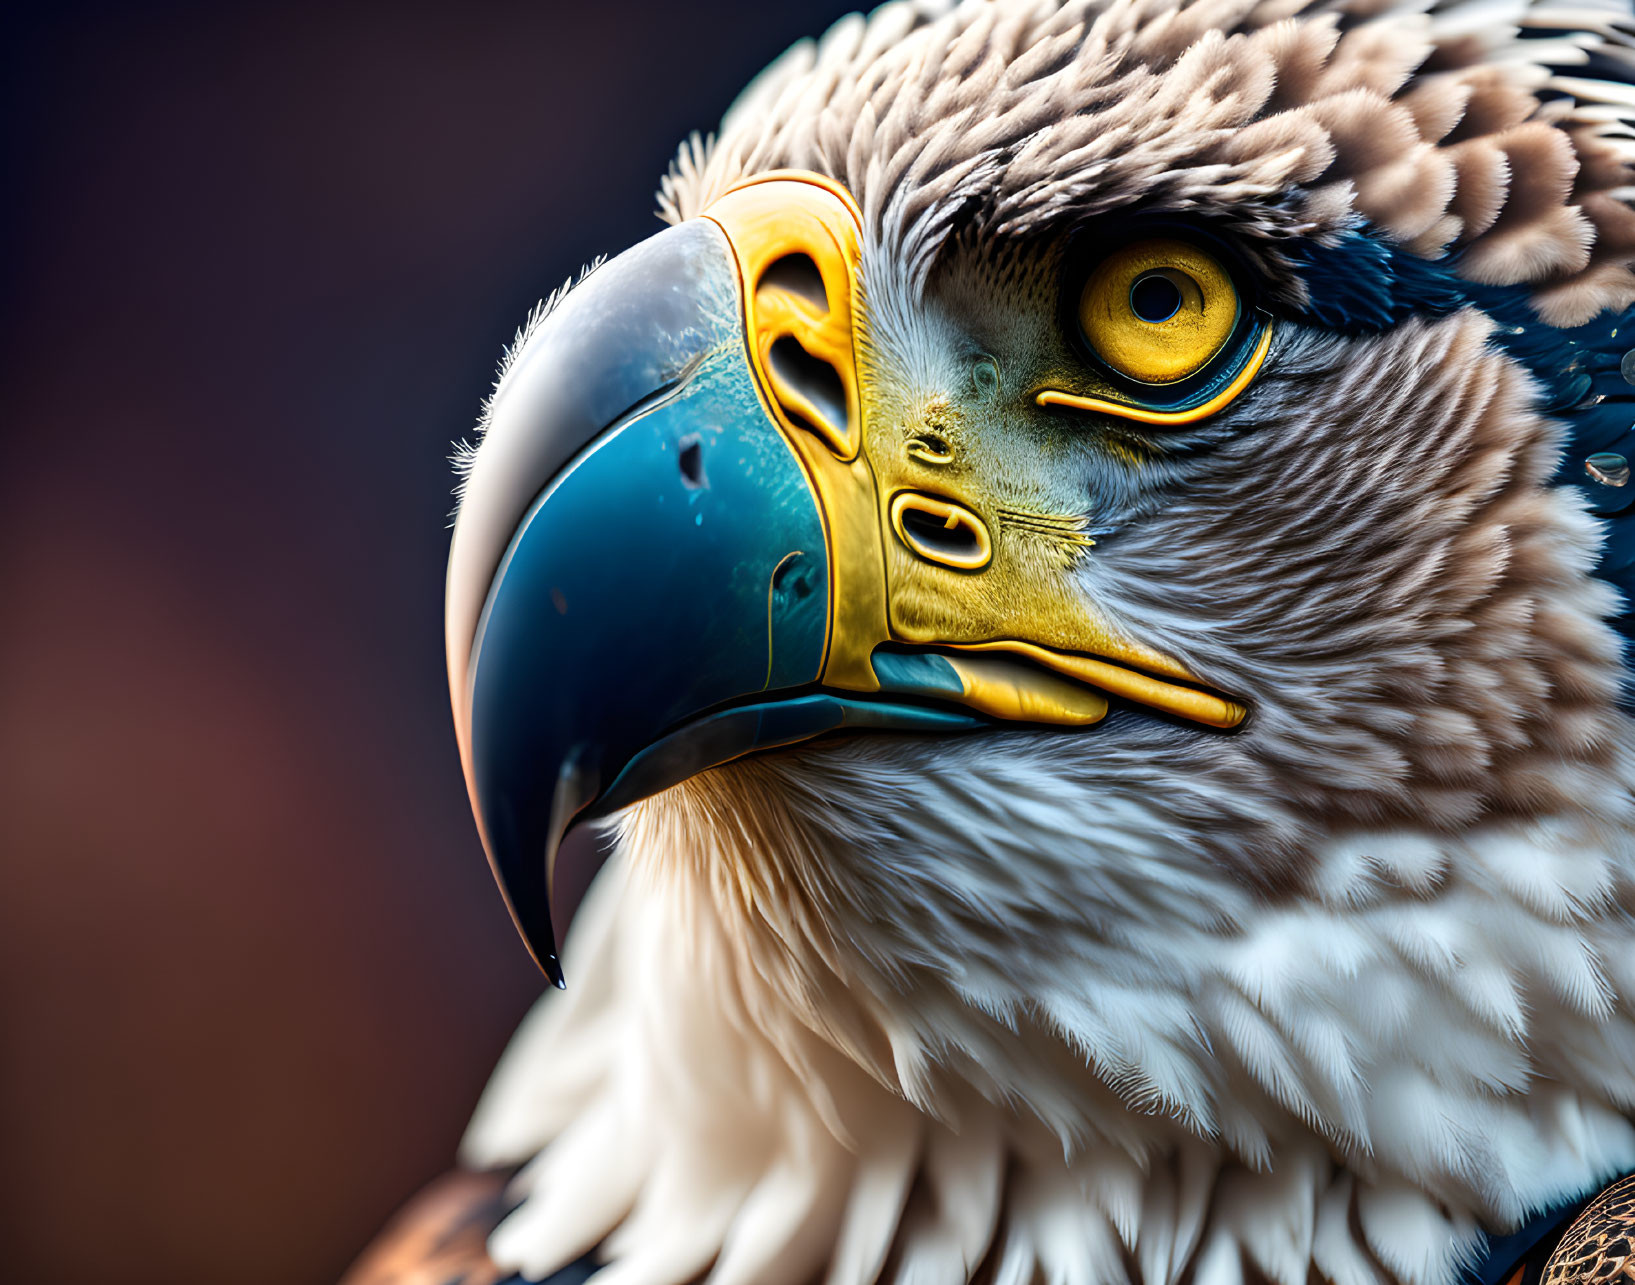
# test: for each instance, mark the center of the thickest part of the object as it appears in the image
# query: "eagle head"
(1082, 570)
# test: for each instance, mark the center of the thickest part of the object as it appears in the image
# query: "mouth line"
(772, 720)
(1193, 703)
(769, 721)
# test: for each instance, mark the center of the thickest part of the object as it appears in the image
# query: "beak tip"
(523, 856)
(532, 921)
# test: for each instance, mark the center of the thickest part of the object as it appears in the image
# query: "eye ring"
(1158, 311)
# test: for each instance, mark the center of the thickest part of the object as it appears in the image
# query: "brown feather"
(1019, 119)
(441, 1236)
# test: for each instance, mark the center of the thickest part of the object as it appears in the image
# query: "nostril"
(930, 532)
(941, 532)
(814, 383)
(797, 274)
(691, 459)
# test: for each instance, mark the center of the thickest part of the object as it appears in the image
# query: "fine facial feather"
(464, 455)
(1327, 996)
(1407, 608)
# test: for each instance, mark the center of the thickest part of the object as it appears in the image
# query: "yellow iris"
(1157, 311)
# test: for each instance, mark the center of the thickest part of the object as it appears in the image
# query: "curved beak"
(639, 561)
(674, 550)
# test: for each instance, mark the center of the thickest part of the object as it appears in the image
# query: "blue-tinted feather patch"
(1363, 285)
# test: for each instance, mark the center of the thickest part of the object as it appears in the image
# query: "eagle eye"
(1158, 311)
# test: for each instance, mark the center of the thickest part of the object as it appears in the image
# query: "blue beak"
(639, 582)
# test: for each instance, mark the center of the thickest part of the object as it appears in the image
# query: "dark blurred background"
(258, 264)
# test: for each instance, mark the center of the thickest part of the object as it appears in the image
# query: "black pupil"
(1155, 298)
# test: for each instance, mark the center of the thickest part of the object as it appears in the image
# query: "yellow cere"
(1158, 311)
(797, 241)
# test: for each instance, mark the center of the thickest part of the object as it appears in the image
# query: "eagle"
(1084, 578)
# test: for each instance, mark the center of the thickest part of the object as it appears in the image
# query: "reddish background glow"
(259, 266)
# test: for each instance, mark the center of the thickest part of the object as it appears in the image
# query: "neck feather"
(1436, 1039)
